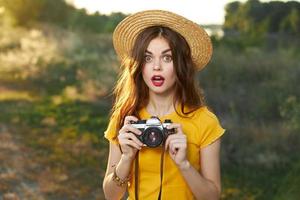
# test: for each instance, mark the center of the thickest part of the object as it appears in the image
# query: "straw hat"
(127, 31)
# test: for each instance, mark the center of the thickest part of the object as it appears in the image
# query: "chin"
(160, 91)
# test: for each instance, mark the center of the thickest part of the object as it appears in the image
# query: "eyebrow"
(163, 52)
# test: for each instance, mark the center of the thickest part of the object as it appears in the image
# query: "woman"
(161, 53)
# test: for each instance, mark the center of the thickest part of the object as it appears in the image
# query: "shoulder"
(111, 132)
(210, 127)
(201, 118)
(204, 114)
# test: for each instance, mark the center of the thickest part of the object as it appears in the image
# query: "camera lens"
(153, 137)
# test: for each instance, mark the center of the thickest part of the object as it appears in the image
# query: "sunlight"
(2, 9)
(202, 12)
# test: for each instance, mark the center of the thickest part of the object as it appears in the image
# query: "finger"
(131, 143)
(177, 128)
(129, 128)
(174, 125)
(177, 145)
(174, 148)
(130, 136)
(177, 140)
(177, 136)
(174, 137)
(129, 139)
(128, 119)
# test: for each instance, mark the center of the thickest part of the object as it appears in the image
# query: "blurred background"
(58, 68)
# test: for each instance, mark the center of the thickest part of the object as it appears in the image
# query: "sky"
(199, 11)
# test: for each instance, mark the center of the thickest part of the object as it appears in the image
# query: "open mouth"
(157, 80)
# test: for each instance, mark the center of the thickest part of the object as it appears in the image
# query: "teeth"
(157, 78)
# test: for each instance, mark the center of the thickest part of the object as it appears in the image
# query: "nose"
(157, 65)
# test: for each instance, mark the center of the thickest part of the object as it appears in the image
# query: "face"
(158, 71)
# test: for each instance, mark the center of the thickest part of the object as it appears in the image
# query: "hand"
(177, 145)
(127, 140)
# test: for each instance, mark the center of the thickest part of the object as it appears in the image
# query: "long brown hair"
(131, 92)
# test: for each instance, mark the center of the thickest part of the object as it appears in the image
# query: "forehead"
(158, 44)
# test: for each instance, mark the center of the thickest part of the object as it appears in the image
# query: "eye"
(167, 58)
(147, 58)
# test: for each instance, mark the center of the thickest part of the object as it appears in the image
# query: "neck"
(160, 105)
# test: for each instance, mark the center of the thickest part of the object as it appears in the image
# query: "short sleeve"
(111, 131)
(211, 129)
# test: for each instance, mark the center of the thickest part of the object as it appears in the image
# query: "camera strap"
(136, 178)
(136, 174)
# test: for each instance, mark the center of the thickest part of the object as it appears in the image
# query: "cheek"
(145, 73)
(173, 80)
(172, 75)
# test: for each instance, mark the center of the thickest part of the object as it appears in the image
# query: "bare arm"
(123, 165)
(121, 161)
(206, 185)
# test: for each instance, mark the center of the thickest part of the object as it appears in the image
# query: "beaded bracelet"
(120, 182)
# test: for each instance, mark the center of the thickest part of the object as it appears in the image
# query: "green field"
(55, 88)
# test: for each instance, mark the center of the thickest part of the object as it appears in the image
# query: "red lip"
(157, 80)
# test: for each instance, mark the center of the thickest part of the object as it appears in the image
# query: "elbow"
(104, 188)
(109, 196)
(211, 196)
(108, 193)
(217, 195)
(212, 193)
(216, 192)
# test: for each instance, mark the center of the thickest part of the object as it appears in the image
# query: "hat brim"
(127, 31)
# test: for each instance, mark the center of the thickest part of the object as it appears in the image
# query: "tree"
(58, 12)
(22, 12)
(259, 19)
(114, 19)
(231, 18)
(291, 23)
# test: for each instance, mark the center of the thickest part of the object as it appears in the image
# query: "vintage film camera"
(154, 133)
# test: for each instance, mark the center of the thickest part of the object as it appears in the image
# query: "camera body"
(154, 133)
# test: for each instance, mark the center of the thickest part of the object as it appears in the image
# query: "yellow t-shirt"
(201, 129)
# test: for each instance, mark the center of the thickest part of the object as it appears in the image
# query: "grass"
(54, 103)
(52, 99)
